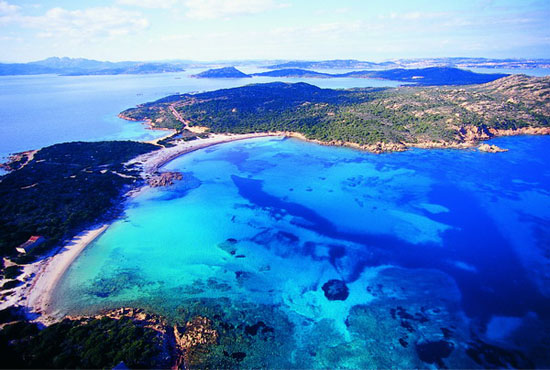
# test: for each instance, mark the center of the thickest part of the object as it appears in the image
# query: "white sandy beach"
(151, 162)
(41, 277)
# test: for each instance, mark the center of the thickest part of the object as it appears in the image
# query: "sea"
(309, 256)
(340, 258)
(41, 110)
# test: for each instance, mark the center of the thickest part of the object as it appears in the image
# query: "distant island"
(383, 119)
(225, 72)
(423, 76)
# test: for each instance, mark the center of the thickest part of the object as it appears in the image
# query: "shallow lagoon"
(444, 253)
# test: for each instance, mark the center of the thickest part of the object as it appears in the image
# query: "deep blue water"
(432, 245)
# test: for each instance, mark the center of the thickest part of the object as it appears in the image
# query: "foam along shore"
(41, 277)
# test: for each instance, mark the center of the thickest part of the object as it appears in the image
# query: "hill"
(420, 76)
(225, 72)
(459, 62)
(294, 72)
(332, 64)
(429, 76)
(374, 119)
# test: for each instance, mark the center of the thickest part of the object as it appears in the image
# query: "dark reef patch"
(116, 283)
(492, 357)
(434, 352)
(259, 326)
(336, 290)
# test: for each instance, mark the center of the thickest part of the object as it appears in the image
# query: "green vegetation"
(63, 189)
(404, 115)
(11, 272)
(10, 284)
(86, 343)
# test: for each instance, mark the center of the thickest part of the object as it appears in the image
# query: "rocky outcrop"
(18, 160)
(522, 131)
(137, 315)
(192, 340)
(473, 134)
(490, 148)
(164, 179)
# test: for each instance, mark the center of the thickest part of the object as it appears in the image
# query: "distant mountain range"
(80, 67)
(333, 64)
(423, 76)
(416, 63)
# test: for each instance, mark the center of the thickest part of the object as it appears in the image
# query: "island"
(430, 76)
(373, 119)
(225, 72)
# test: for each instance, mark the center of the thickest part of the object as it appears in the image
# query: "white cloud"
(8, 12)
(415, 16)
(85, 24)
(7, 8)
(214, 9)
(150, 4)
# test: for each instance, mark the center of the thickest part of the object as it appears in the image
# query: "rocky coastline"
(467, 137)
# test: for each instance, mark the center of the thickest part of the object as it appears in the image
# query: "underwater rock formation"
(194, 339)
(336, 290)
(164, 179)
(434, 352)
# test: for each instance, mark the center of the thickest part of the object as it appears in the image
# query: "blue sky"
(273, 29)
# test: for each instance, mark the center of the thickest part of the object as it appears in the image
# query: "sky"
(207, 30)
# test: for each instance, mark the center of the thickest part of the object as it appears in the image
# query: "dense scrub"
(65, 187)
(87, 343)
(363, 116)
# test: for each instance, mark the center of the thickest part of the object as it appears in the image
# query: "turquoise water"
(312, 256)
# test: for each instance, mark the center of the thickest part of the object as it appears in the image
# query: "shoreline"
(41, 277)
(153, 161)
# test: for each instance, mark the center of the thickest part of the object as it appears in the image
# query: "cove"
(449, 247)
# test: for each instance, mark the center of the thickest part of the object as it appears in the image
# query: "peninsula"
(374, 119)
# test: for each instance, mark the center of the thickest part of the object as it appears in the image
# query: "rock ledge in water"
(490, 148)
